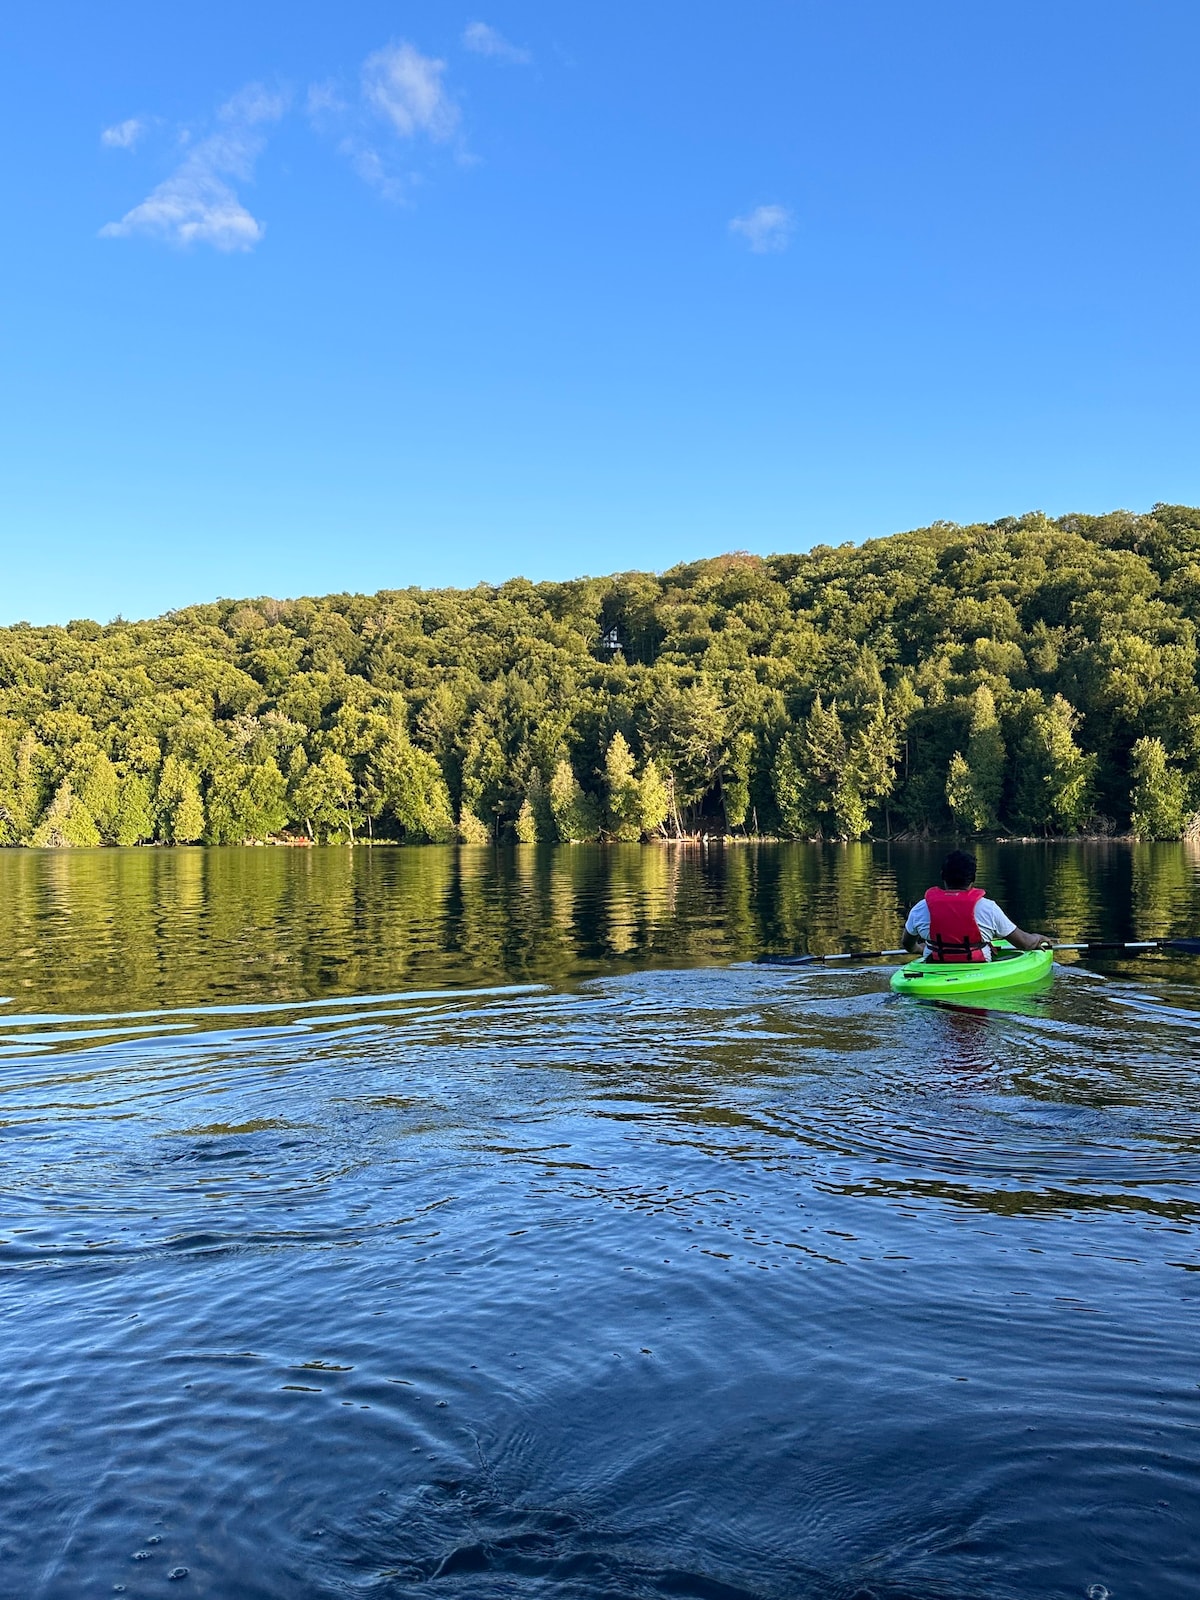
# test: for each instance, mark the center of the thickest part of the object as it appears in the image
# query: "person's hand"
(1044, 943)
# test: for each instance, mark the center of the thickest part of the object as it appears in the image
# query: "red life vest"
(953, 932)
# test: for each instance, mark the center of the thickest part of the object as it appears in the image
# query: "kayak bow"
(1008, 969)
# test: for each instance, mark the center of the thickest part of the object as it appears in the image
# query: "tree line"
(1028, 676)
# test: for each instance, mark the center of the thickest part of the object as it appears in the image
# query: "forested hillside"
(1029, 676)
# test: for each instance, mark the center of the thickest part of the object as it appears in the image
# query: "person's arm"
(995, 923)
(916, 926)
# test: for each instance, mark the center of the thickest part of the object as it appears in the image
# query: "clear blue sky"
(305, 297)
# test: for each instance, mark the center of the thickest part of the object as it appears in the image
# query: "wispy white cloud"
(123, 135)
(196, 205)
(765, 229)
(373, 168)
(405, 91)
(399, 87)
(485, 41)
(405, 88)
(323, 100)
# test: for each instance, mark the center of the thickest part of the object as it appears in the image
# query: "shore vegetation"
(1031, 676)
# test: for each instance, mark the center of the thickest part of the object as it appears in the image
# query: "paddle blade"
(1192, 946)
(785, 961)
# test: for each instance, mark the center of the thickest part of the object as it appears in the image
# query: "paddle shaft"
(841, 955)
(1192, 946)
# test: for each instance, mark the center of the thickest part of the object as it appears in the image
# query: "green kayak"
(1008, 969)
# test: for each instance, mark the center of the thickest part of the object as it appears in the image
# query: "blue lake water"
(429, 1222)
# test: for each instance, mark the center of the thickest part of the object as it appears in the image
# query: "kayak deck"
(1008, 969)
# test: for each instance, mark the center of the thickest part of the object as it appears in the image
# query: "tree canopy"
(1031, 675)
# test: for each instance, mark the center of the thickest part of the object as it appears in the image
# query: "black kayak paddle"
(1191, 946)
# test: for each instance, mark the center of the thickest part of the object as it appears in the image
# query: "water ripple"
(715, 1283)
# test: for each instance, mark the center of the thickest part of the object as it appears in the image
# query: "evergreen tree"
(623, 818)
(874, 760)
(180, 808)
(67, 821)
(224, 806)
(525, 828)
(849, 809)
(790, 787)
(411, 788)
(23, 788)
(817, 787)
(574, 812)
(538, 795)
(986, 757)
(12, 819)
(688, 734)
(735, 780)
(975, 784)
(98, 785)
(430, 815)
(825, 756)
(246, 803)
(135, 813)
(187, 823)
(297, 770)
(484, 768)
(654, 801)
(1159, 798)
(1054, 777)
(960, 793)
(265, 810)
(471, 830)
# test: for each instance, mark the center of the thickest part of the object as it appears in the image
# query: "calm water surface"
(450, 1223)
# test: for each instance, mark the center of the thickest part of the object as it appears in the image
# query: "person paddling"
(958, 922)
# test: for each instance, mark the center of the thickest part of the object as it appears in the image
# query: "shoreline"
(693, 841)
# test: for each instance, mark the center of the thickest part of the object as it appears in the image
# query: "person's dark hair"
(958, 870)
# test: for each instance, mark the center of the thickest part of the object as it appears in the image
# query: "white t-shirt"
(991, 921)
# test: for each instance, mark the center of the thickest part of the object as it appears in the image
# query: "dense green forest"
(1027, 676)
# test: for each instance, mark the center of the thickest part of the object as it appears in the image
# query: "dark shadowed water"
(449, 1223)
